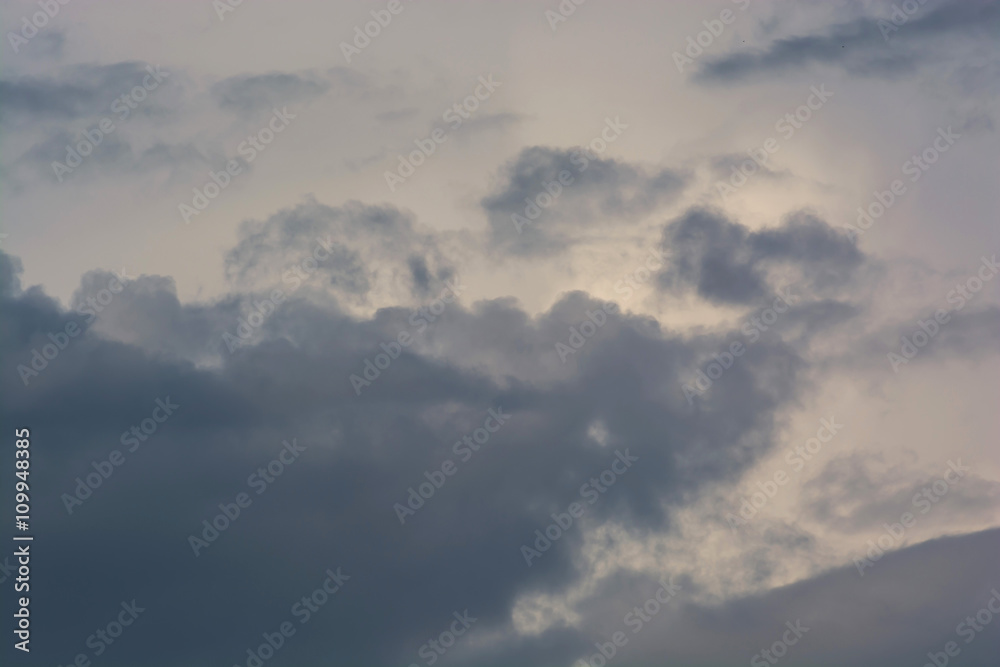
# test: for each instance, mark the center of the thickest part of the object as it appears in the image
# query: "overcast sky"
(487, 333)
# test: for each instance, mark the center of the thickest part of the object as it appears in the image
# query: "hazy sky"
(530, 330)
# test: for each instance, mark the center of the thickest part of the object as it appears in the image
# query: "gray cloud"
(859, 46)
(850, 495)
(364, 452)
(251, 94)
(75, 92)
(603, 191)
(373, 247)
(726, 262)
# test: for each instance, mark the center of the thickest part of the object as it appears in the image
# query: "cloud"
(859, 47)
(364, 452)
(890, 621)
(852, 493)
(600, 192)
(727, 263)
(379, 253)
(252, 94)
(79, 91)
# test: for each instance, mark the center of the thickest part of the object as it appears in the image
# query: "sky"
(483, 334)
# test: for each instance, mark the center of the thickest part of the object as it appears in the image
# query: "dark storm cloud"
(252, 94)
(460, 551)
(602, 191)
(859, 46)
(728, 263)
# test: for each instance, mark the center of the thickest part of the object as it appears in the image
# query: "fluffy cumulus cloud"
(550, 403)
